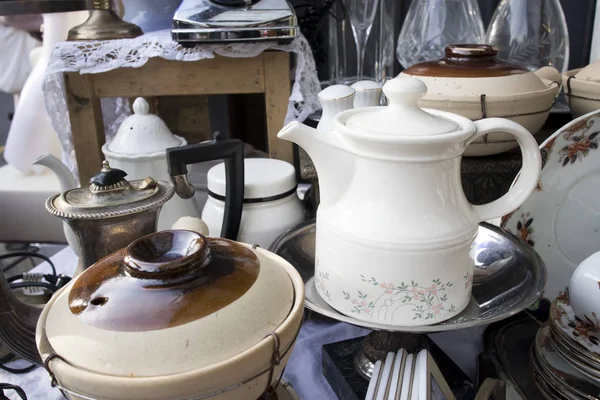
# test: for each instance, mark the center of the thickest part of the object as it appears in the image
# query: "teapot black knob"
(107, 176)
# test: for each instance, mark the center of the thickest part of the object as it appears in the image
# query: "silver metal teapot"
(104, 217)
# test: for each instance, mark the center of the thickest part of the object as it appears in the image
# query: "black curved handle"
(232, 152)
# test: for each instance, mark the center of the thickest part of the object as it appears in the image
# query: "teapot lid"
(143, 133)
(467, 61)
(171, 302)
(110, 195)
(402, 117)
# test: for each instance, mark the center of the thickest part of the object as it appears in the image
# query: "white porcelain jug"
(394, 227)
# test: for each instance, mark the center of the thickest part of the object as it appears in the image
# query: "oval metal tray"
(509, 277)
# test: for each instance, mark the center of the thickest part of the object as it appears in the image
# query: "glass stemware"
(531, 33)
(431, 25)
(362, 13)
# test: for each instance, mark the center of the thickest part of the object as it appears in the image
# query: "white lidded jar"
(271, 205)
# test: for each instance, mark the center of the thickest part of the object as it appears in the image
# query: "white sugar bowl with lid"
(174, 316)
(139, 147)
(271, 205)
(394, 228)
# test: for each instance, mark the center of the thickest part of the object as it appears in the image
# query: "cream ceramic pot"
(582, 88)
(394, 227)
(472, 82)
(139, 147)
(174, 316)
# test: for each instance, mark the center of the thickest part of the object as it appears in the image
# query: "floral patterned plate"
(574, 350)
(561, 218)
(558, 372)
(582, 368)
(581, 333)
(549, 387)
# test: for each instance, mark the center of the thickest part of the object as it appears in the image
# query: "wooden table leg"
(87, 128)
(277, 95)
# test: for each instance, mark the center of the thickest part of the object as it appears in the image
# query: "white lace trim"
(102, 56)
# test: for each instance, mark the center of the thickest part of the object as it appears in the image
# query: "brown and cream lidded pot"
(174, 316)
(473, 82)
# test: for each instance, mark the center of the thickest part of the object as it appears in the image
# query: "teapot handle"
(232, 151)
(530, 169)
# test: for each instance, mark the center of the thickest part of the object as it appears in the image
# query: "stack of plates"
(566, 356)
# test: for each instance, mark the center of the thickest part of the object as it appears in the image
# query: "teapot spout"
(65, 178)
(66, 182)
(327, 150)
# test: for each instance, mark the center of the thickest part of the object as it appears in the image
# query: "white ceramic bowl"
(584, 290)
(582, 95)
(237, 378)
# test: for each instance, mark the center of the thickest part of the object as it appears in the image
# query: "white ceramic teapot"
(394, 227)
(139, 147)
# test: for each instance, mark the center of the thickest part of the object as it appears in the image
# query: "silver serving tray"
(509, 277)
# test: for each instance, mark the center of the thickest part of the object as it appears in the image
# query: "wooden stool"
(267, 73)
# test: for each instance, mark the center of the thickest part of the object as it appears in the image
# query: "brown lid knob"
(471, 51)
(467, 61)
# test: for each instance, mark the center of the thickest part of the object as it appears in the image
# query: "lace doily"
(102, 56)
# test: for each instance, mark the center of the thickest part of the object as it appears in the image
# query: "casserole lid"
(170, 302)
(110, 195)
(402, 117)
(143, 133)
(467, 61)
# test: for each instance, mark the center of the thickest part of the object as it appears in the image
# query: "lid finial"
(404, 91)
(140, 106)
(107, 178)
